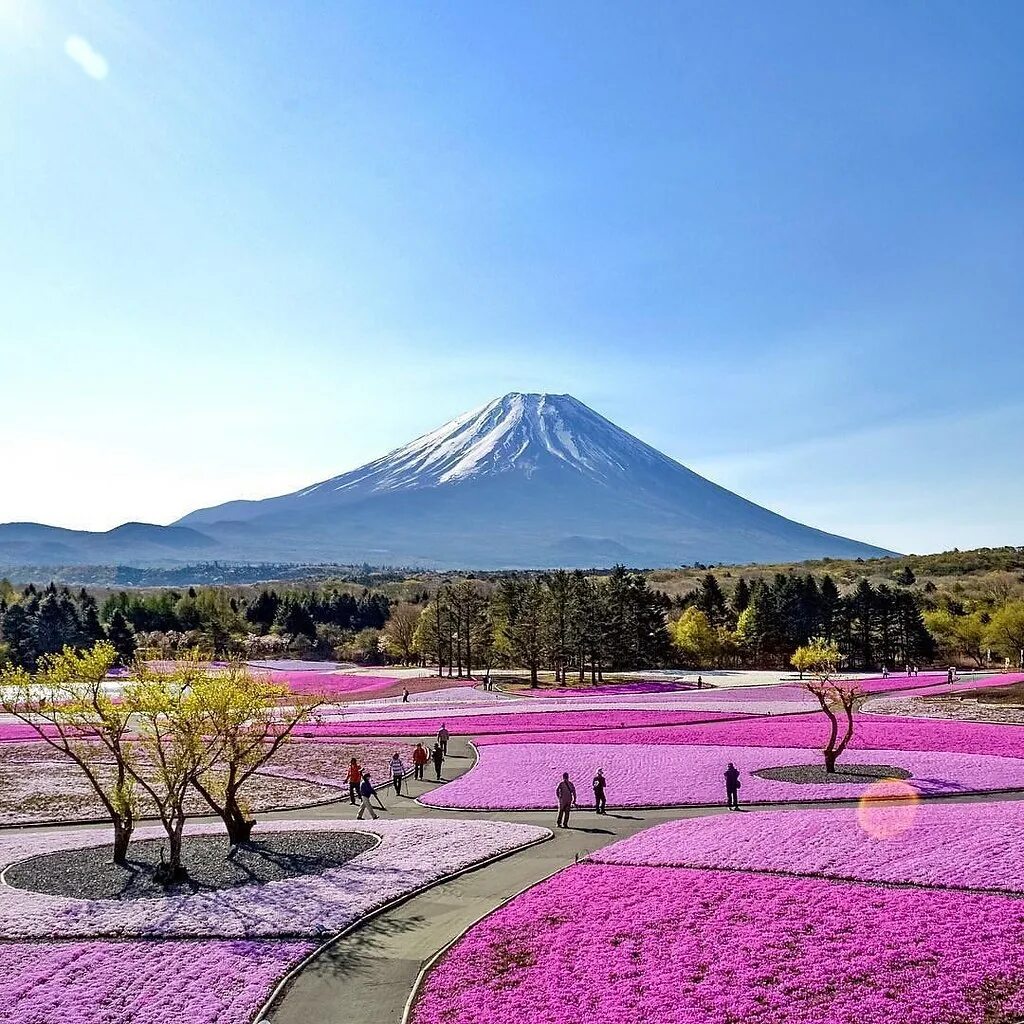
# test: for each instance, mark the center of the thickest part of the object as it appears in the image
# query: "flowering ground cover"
(520, 776)
(38, 785)
(603, 689)
(973, 845)
(510, 723)
(327, 763)
(97, 982)
(412, 853)
(873, 732)
(609, 944)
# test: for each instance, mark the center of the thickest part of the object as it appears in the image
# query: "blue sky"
(246, 247)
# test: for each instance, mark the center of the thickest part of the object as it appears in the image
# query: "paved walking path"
(369, 975)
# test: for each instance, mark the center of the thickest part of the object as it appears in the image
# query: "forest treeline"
(575, 624)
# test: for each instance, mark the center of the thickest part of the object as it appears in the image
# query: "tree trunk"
(830, 761)
(533, 675)
(122, 836)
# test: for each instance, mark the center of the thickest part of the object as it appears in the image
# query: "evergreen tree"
(740, 597)
(122, 637)
(18, 633)
(711, 601)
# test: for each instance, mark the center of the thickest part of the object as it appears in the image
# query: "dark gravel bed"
(845, 774)
(88, 873)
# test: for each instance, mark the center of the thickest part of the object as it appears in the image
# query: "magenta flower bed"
(331, 684)
(514, 724)
(412, 853)
(809, 730)
(973, 846)
(96, 982)
(610, 945)
(514, 776)
(605, 689)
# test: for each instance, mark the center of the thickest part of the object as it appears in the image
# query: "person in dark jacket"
(732, 786)
(366, 793)
(599, 784)
(437, 756)
(566, 794)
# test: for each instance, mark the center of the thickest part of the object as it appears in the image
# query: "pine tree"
(122, 637)
(18, 632)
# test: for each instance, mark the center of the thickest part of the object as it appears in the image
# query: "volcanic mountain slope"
(528, 480)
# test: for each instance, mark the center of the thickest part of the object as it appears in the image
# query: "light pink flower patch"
(519, 776)
(412, 853)
(970, 845)
(616, 945)
(172, 982)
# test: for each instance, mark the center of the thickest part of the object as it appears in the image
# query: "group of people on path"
(565, 794)
(361, 790)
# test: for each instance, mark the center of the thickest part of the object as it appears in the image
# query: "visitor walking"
(950, 672)
(354, 777)
(437, 756)
(700, 682)
(397, 773)
(443, 736)
(405, 695)
(419, 759)
(885, 671)
(566, 794)
(366, 792)
(600, 803)
(732, 786)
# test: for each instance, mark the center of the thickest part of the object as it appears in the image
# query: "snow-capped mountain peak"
(516, 433)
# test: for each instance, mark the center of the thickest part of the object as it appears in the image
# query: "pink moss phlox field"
(521, 776)
(970, 846)
(481, 725)
(606, 689)
(331, 684)
(412, 853)
(809, 730)
(96, 982)
(18, 732)
(616, 945)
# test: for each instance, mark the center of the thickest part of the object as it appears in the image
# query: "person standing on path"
(354, 777)
(566, 794)
(732, 786)
(405, 695)
(443, 736)
(366, 792)
(599, 800)
(397, 773)
(419, 760)
(437, 755)
(700, 682)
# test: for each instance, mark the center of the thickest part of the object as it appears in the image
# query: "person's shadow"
(592, 831)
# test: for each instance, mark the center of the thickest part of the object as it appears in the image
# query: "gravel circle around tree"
(845, 774)
(89, 873)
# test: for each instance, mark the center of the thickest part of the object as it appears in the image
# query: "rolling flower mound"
(520, 776)
(96, 982)
(970, 846)
(607, 944)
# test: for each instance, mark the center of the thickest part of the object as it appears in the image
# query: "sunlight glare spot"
(81, 52)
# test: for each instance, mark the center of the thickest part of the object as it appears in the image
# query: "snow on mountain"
(516, 433)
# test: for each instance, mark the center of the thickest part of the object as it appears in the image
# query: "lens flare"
(887, 808)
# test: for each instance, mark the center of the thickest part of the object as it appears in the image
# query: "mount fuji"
(528, 480)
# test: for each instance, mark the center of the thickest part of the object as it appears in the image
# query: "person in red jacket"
(354, 777)
(419, 760)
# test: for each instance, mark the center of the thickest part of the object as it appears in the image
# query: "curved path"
(369, 975)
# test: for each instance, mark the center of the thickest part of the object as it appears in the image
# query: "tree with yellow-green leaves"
(695, 638)
(252, 718)
(1005, 631)
(837, 698)
(67, 703)
(172, 745)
